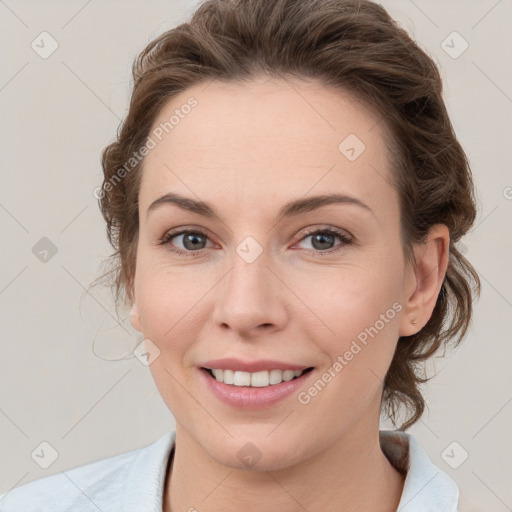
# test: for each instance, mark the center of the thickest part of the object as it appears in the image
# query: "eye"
(194, 240)
(191, 241)
(322, 238)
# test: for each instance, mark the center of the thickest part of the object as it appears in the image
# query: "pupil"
(316, 237)
(191, 238)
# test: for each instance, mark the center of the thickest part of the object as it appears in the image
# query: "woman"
(284, 198)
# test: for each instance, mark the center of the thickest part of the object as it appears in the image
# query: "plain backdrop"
(68, 377)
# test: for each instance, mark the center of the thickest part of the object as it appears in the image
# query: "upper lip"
(234, 364)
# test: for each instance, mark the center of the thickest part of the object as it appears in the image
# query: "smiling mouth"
(254, 379)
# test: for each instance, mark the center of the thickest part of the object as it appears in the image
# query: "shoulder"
(101, 485)
(73, 489)
(427, 488)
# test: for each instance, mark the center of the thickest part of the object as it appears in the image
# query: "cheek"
(170, 321)
(359, 311)
(350, 298)
(362, 318)
(169, 305)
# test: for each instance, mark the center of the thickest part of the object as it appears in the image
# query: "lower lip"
(245, 397)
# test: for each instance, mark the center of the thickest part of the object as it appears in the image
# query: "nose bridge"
(249, 279)
(249, 295)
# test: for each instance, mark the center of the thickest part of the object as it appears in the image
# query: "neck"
(352, 472)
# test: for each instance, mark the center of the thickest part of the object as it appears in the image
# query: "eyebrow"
(293, 208)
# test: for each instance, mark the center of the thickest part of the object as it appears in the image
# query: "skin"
(247, 149)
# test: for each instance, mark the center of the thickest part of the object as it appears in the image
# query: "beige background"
(67, 376)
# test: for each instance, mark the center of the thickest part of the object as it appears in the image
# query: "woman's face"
(257, 281)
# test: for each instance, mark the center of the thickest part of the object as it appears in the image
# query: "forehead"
(268, 135)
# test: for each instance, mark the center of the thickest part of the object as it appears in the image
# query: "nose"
(251, 299)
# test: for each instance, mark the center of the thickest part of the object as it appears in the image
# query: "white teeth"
(256, 379)
(218, 374)
(275, 376)
(288, 375)
(259, 379)
(242, 379)
(226, 376)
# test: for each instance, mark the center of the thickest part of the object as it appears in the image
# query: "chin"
(256, 453)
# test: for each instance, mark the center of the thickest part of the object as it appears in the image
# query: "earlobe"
(428, 275)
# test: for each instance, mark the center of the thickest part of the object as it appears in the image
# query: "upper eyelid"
(309, 230)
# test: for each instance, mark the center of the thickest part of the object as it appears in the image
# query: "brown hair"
(350, 44)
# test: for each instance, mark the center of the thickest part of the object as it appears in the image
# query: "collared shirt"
(134, 481)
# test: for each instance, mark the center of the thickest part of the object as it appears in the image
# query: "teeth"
(256, 379)
(242, 379)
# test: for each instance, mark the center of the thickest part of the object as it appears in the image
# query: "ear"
(134, 313)
(423, 282)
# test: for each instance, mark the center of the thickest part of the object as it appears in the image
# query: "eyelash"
(311, 252)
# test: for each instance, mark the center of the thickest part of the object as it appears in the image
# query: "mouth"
(261, 379)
